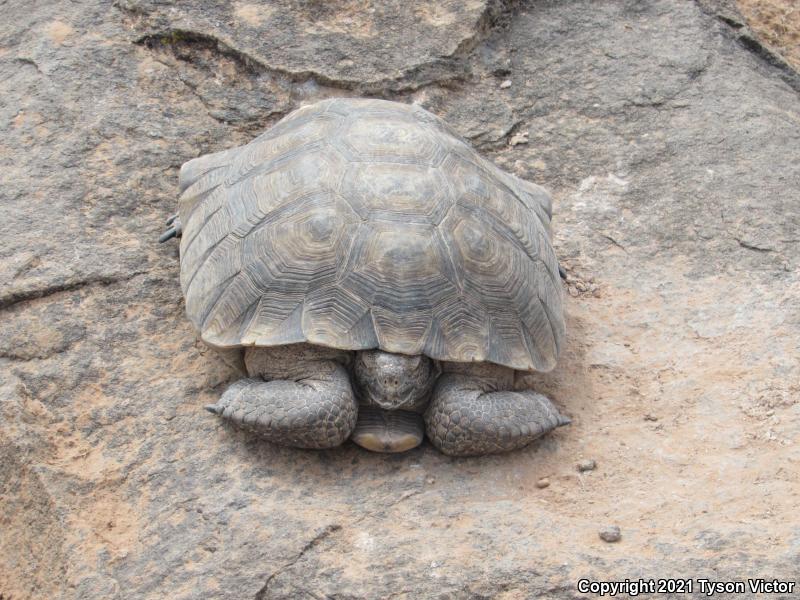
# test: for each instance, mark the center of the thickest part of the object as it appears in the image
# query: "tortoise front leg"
(468, 417)
(318, 410)
(174, 229)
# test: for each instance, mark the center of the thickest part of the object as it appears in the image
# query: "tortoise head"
(394, 381)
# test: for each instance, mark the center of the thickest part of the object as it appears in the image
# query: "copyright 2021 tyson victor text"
(707, 587)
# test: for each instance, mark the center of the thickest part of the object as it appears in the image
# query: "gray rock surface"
(670, 143)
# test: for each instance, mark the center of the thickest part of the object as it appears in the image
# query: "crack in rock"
(209, 109)
(749, 246)
(614, 242)
(324, 534)
(750, 43)
(443, 70)
(317, 539)
(23, 357)
(496, 15)
(402, 497)
(744, 36)
(170, 38)
(486, 141)
(16, 297)
(32, 63)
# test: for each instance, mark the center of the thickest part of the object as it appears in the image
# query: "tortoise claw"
(175, 229)
(168, 235)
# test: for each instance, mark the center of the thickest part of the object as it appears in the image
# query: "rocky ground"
(777, 24)
(669, 136)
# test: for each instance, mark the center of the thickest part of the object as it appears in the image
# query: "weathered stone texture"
(670, 144)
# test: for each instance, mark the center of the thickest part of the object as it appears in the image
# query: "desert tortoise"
(377, 277)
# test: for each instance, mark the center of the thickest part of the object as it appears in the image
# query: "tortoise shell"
(360, 224)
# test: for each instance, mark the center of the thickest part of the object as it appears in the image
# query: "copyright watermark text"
(707, 587)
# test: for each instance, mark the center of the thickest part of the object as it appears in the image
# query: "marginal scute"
(333, 316)
(461, 329)
(361, 224)
(194, 170)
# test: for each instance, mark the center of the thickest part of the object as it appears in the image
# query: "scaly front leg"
(469, 416)
(317, 410)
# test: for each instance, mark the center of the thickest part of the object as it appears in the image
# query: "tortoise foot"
(465, 420)
(310, 414)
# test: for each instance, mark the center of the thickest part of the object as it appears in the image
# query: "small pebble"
(543, 483)
(610, 534)
(431, 480)
(505, 84)
(587, 464)
(518, 138)
(649, 417)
